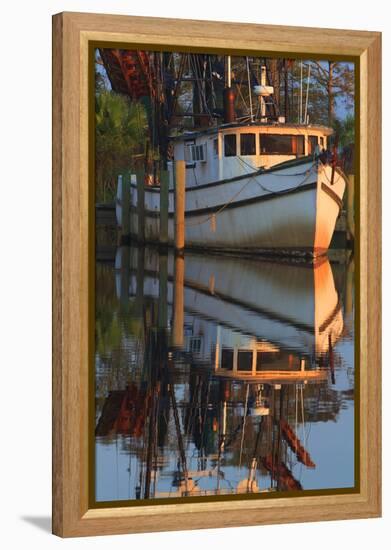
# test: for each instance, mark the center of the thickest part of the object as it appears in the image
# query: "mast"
(263, 83)
(229, 96)
(249, 90)
(286, 90)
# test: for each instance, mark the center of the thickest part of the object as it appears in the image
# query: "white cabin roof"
(282, 128)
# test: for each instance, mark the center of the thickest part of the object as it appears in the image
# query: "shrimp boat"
(260, 186)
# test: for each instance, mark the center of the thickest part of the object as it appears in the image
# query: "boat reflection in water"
(219, 375)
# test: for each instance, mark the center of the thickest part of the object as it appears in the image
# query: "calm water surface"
(219, 375)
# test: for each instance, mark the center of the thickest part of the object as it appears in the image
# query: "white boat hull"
(291, 208)
(295, 306)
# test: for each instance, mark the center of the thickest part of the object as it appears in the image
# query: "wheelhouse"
(233, 150)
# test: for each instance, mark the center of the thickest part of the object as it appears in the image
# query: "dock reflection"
(216, 374)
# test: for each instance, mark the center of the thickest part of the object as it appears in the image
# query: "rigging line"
(179, 435)
(203, 417)
(199, 80)
(308, 433)
(296, 125)
(238, 86)
(307, 93)
(244, 425)
(307, 173)
(221, 209)
(193, 409)
(270, 82)
(208, 109)
(254, 458)
(213, 93)
(221, 442)
(177, 86)
(196, 77)
(250, 179)
(249, 90)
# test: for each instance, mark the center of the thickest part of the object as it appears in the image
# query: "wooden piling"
(178, 316)
(163, 236)
(140, 210)
(180, 182)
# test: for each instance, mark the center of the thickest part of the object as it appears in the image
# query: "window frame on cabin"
(226, 359)
(243, 144)
(195, 344)
(244, 361)
(234, 153)
(188, 156)
(194, 152)
(298, 139)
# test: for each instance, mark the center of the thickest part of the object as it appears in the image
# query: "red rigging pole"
(140, 74)
(159, 75)
(127, 71)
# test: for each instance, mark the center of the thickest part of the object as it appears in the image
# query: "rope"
(306, 173)
(251, 176)
(323, 167)
(221, 209)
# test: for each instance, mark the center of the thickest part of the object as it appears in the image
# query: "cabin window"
(266, 358)
(195, 344)
(200, 152)
(312, 144)
(227, 358)
(281, 144)
(322, 141)
(216, 147)
(194, 153)
(230, 145)
(247, 144)
(245, 361)
(189, 146)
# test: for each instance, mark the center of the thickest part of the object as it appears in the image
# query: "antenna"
(262, 92)
(307, 94)
(249, 90)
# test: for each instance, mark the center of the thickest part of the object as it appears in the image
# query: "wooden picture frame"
(73, 285)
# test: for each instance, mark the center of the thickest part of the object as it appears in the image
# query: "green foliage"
(334, 82)
(120, 133)
(114, 320)
(331, 84)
